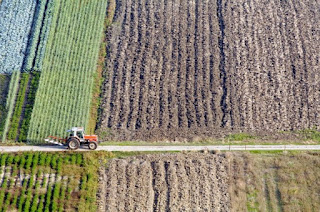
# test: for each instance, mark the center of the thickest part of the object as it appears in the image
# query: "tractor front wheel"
(92, 145)
(73, 144)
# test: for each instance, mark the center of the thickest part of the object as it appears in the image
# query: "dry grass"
(275, 182)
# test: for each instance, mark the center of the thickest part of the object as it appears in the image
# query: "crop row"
(28, 108)
(65, 88)
(40, 30)
(12, 134)
(45, 182)
(19, 107)
(11, 98)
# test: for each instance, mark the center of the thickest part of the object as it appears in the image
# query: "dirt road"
(164, 148)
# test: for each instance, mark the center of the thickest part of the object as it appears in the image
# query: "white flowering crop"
(16, 18)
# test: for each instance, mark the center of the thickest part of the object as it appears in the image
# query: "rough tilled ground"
(182, 69)
(237, 181)
(167, 182)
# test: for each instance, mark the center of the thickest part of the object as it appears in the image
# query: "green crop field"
(48, 182)
(65, 89)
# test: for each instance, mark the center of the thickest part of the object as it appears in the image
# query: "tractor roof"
(77, 129)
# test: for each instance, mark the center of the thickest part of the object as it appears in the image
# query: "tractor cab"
(77, 132)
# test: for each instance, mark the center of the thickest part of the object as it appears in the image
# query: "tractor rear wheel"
(92, 145)
(73, 144)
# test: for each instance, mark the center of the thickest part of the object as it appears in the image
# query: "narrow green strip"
(13, 89)
(12, 134)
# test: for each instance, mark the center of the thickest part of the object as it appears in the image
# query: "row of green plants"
(20, 106)
(43, 195)
(28, 108)
(64, 94)
(15, 120)
(40, 31)
(31, 161)
(10, 102)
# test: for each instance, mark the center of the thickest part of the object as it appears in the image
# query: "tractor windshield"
(80, 134)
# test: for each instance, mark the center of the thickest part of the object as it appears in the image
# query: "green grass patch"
(266, 151)
(122, 155)
(240, 137)
(310, 134)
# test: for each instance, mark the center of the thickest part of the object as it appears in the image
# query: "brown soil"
(181, 69)
(237, 181)
(167, 182)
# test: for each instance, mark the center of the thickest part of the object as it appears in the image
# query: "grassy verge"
(204, 143)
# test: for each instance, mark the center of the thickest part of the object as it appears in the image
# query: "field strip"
(164, 148)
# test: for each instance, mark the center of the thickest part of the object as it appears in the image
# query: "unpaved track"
(163, 148)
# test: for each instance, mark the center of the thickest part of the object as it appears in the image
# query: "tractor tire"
(92, 145)
(73, 144)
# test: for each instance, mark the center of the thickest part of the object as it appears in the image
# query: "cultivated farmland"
(65, 88)
(48, 182)
(258, 181)
(170, 182)
(9, 106)
(187, 69)
(16, 18)
(23, 44)
(4, 84)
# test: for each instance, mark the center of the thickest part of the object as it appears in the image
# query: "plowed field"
(238, 181)
(170, 182)
(180, 69)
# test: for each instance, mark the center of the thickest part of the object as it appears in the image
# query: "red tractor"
(75, 139)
